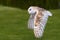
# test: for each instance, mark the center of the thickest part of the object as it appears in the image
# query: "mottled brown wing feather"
(37, 19)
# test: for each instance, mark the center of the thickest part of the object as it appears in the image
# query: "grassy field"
(13, 25)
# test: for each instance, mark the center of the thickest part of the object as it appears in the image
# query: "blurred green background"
(24, 4)
(14, 18)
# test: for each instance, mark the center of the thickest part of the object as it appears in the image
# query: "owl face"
(31, 10)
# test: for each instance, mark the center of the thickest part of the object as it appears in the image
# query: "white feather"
(31, 23)
(38, 31)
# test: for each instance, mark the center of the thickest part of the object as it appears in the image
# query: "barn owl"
(38, 19)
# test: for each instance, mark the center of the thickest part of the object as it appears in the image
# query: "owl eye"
(29, 9)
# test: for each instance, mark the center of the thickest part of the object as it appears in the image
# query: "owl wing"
(45, 18)
(31, 22)
(39, 25)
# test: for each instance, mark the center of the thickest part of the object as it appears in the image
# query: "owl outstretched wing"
(40, 21)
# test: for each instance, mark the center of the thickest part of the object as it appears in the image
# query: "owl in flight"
(38, 19)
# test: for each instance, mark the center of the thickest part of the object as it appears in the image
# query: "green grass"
(13, 25)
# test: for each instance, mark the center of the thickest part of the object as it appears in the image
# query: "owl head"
(35, 9)
(32, 9)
